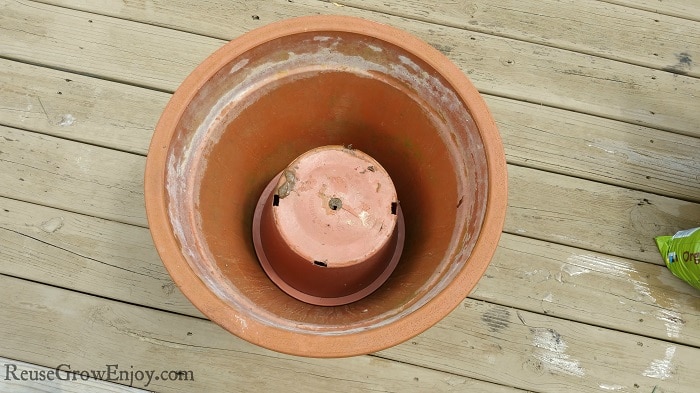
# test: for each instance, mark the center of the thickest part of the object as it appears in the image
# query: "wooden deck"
(598, 105)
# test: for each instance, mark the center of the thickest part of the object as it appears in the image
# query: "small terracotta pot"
(221, 148)
(329, 230)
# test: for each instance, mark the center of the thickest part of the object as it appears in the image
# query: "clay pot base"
(269, 96)
(328, 230)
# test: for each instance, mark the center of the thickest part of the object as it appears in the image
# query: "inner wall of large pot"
(429, 146)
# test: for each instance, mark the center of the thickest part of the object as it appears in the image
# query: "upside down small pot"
(326, 186)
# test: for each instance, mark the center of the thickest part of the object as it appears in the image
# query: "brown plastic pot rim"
(295, 343)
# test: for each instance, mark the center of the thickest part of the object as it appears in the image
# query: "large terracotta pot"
(271, 95)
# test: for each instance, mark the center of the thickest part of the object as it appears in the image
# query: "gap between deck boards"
(466, 343)
(164, 341)
(602, 87)
(587, 147)
(688, 9)
(582, 26)
(582, 263)
(109, 184)
(516, 231)
(631, 296)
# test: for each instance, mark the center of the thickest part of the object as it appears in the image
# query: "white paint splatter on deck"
(672, 320)
(661, 368)
(52, 225)
(66, 120)
(605, 386)
(551, 351)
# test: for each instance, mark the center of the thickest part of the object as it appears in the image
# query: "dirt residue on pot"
(288, 182)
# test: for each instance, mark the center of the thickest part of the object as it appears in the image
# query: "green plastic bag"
(682, 254)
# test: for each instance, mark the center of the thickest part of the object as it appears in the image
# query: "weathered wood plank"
(21, 377)
(109, 48)
(121, 117)
(586, 26)
(90, 333)
(593, 216)
(593, 288)
(160, 58)
(688, 9)
(109, 184)
(478, 339)
(118, 261)
(545, 354)
(77, 107)
(598, 149)
(579, 357)
(86, 254)
(72, 176)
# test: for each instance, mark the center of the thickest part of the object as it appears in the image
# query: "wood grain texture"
(593, 288)
(641, 37)
(593, 216)
(548, 355)
(86, 254)
(598, 149)
(90, 333)
(575, 299)
(77, 107)
(688, 9)
(122, 117)
(117, 261)
(72, 176)
(109, 184)
(132, 53)
(478, 339)
(160, 58)
(21, 377)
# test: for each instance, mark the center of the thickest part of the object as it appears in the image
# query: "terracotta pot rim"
(295, 343)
